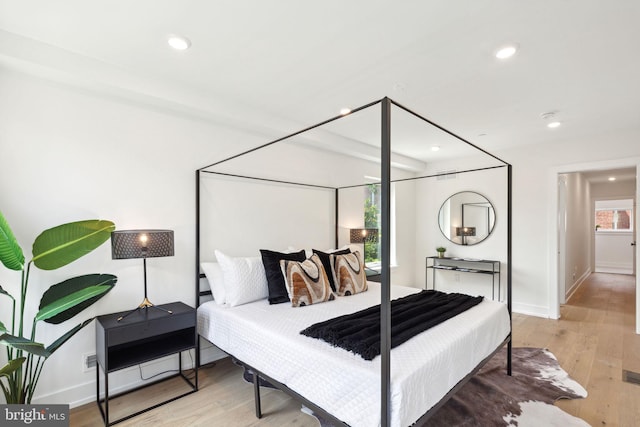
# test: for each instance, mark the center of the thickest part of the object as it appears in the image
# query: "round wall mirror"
(466, 218)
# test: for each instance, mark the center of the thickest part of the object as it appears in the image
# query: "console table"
(147, 334)
(464, 265)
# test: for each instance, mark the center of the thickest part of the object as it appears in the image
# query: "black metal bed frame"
(385, 306)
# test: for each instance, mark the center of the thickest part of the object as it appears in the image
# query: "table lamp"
(126, 244)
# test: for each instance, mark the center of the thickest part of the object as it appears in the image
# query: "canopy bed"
(399, 387)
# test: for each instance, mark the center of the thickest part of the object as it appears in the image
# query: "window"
(614, 216)
(372, 208)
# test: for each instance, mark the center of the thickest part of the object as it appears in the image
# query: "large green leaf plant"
(52, 249)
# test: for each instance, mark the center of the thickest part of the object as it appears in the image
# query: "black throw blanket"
(359, 332)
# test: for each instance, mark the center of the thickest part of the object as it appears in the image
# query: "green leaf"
(61, 245)
(71, 301)
(71, 286)
(10, 252)
(12, 366)
(3, 292)
(63, 339)
(24, 344)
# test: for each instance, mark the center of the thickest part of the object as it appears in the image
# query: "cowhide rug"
(492, 398)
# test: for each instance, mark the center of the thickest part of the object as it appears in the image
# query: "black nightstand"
(373, 275)
(145, 335)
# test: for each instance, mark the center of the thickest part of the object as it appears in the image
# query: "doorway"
(593, 178)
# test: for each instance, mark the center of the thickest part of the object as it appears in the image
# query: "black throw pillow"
(275, 279)
(326, 263)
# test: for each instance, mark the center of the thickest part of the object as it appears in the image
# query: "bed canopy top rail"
(385, 160)
(355, 110)
(290, 139)
(416, 178)
(447, 131)
(277, 181)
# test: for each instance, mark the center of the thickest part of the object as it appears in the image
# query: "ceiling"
(620, 175)
(274, 67)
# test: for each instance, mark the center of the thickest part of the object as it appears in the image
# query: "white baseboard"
(129, 378)
(531, 310)
(576, 285)
(614, 270)
(614, 267)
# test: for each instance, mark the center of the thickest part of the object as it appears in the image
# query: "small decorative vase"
(440, 254)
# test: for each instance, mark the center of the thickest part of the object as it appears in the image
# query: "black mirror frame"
(490, 226)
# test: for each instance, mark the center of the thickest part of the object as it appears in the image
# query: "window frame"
(376, 264)
(600, 228)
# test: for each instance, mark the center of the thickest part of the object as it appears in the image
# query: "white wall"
(68, 155)
(578, 232)
(430, 194)
(536, 170)
(614, 253)
(406, 214)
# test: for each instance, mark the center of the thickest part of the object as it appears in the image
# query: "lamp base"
(145, 304)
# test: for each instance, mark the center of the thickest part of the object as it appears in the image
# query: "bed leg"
(256, 394)
(509, 344)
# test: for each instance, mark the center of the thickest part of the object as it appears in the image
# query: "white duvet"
(423, 369)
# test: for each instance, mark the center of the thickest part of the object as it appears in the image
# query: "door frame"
(553, 282)
(561, 259)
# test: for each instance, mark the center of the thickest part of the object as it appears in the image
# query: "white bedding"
(423, 369)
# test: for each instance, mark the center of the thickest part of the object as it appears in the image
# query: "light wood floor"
(594, 341)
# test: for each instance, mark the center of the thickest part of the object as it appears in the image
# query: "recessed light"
(612, 178)
(550, 117)
(435, 148)
(345, 111)
(179, 42)
(506, 51)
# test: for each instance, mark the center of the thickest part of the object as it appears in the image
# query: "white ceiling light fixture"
(178, 42)
(507, 51)
(345, 111)
(550, 117)
(435, 148)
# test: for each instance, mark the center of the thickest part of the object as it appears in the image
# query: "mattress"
(423, 369)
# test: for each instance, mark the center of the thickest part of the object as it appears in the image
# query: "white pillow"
(215, 277)
(244, 279)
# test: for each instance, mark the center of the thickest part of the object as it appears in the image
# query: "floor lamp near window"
(126, 244)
